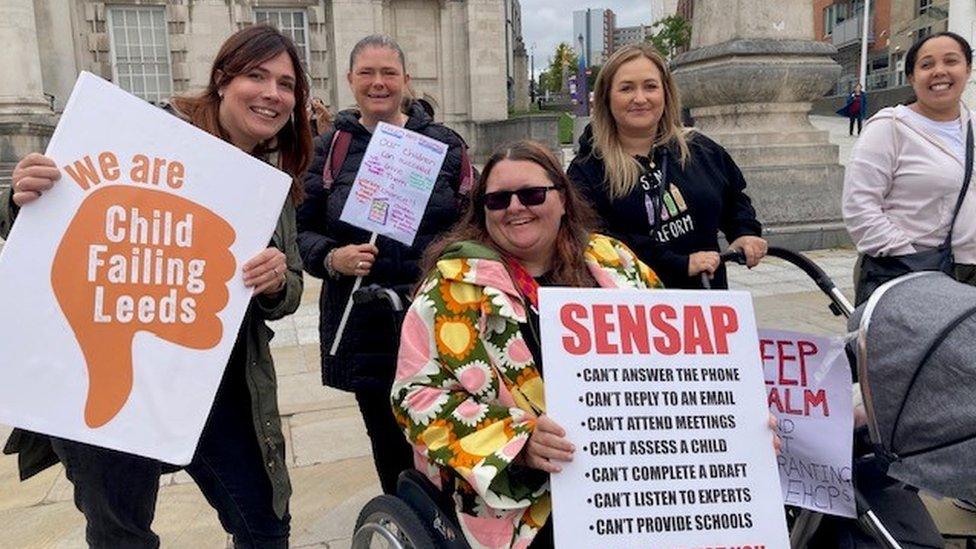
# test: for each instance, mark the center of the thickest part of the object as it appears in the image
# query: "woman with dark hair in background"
(664, 192)
(255, 100)
(338, 252)
(855, 109)
(903, 185)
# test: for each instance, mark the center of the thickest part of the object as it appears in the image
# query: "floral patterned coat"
(467, 391)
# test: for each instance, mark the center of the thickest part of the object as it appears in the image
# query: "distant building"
(623, 36)
(594, 28)
(661, 9)
(894, 25)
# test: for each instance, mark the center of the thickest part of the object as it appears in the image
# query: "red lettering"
(696, 332)
(806, 348)
(813, 400)
(633, 329)
(724, 322)
(669, 342)
(580, 344)
(765, 344)
(602, 326)
(783, 358)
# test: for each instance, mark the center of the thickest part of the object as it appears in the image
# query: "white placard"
(662, 394)
(122, 285)
(394, 182)
(808, 380)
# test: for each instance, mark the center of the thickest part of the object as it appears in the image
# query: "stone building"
(155, 48)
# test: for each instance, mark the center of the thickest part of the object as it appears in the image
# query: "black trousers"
(850, 129)
(392, 454)
(117, 491)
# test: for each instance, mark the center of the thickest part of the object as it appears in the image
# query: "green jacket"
(35, 453)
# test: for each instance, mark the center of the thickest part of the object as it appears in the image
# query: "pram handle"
(840, 306)
(375, 292)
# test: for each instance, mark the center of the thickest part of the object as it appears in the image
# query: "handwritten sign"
(662, 395)
(122, 285)
(394, 182)
(808, 381)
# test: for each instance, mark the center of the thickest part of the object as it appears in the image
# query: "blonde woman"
(664, 191)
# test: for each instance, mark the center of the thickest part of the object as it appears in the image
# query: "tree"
(669, 34)
(552, 78)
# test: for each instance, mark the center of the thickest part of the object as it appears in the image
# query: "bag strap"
(338, 149)
(965, 182)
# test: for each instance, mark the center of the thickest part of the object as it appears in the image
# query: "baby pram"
(900, 330)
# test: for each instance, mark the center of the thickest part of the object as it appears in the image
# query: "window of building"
(923, 6)
(923, 32)
(835, 14)
(140, 51)
(292, 23)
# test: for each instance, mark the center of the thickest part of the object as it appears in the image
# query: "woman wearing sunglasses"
(469, 367)
(664, 192)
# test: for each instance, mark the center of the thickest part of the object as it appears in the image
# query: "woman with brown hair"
(255, 100)
(664, 191)
(468, 390)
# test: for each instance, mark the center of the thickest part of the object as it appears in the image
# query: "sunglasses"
(528, 196)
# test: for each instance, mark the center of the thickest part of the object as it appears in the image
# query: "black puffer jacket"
(367, 354)
(704, 196)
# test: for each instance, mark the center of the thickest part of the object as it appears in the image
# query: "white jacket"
(901, 186)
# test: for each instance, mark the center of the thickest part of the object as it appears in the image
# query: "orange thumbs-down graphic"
(136, 259)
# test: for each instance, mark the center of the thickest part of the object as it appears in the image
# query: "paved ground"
(328, 452)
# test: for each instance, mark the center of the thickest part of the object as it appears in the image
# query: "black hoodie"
(367, 354)
(699, 199)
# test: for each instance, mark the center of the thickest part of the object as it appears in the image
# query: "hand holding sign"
(32, 176)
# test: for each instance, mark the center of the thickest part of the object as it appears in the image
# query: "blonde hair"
(621, 169)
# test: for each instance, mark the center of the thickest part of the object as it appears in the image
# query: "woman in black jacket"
(338, 252)
(663, 192)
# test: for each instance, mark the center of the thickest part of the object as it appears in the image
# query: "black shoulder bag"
(875, 271)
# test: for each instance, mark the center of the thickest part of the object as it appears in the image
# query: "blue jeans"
(117, 491)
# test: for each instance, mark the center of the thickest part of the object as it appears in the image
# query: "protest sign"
(808, 381)
(662, 394)
(394, 182)
(121, 285)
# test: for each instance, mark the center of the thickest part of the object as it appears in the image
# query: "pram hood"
(916, 354)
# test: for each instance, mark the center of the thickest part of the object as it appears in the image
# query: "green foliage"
(669, 34)
(551, 79)
(565, 128)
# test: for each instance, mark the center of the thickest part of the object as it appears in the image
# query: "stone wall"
(877, 100)
(542, 127)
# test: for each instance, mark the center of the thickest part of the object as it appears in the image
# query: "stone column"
(750, 77)
(962, 21)
(26, 118)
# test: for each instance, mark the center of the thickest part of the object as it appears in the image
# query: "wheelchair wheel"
(389, 523)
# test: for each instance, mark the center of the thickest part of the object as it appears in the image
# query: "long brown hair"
(244, 50)
(577, 224)
(621, 169)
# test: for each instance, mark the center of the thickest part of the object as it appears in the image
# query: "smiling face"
(256, 104)
(637, 97)
(526, 232)
(377, 80)
(939, 78)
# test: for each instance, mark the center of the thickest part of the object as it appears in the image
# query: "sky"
(546, 23)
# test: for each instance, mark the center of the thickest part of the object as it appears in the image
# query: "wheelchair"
(420, 516)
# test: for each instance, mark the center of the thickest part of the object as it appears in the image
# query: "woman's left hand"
(777, 442)
(753, 247)
(266, 272)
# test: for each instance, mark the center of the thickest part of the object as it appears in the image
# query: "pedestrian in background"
(338, 252)
(855, 109)
(905, 200)
(255, 100)
(321, 118)
(664, 191)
